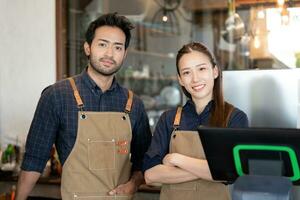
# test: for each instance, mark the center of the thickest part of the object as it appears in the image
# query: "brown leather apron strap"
(129, 102)
(76, 93)
(176, 122)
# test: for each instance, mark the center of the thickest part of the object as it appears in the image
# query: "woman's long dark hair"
(218, 115)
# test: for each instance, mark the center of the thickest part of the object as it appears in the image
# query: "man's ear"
(87, 49)
(125, 53)
(216, 71)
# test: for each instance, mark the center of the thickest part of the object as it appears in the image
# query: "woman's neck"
(200, 104)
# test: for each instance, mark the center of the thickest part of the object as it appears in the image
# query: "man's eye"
(102, 45)
(185, 73)
(119, 48)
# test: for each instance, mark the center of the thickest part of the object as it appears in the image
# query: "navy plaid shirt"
(190, 120)
(55, 120)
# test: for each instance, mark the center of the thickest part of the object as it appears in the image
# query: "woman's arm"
(167, 174)
(197, 167)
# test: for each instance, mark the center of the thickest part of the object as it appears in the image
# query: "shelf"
(155, 54)
(173, 78)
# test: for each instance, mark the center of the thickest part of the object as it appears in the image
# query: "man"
(98, 126)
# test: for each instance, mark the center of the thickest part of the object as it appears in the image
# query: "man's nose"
(109, 51)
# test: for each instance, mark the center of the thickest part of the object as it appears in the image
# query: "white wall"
(269, 97)
(27, 62)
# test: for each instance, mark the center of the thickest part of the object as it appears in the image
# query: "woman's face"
(197, 75)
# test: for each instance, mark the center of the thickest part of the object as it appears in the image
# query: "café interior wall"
(28, 63)
(27, 49)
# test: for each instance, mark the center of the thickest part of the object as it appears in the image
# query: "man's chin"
(107, 73)
(104, 73)
(105, 70)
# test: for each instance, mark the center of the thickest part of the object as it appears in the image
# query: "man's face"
(107, 50)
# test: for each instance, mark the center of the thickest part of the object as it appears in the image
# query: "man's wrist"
(137, 179)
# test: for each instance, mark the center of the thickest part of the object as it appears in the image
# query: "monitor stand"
(264, 182)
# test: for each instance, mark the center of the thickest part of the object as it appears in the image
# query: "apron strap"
(129, 102)
(76, 93)
(176, 122)
(228, 111)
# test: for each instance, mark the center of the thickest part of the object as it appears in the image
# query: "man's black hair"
(110, 19)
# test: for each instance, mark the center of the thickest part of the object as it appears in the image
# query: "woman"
(175, 157)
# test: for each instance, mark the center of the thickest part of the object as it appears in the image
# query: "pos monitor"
(233, 152)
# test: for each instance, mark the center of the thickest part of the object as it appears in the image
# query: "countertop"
(50, 187)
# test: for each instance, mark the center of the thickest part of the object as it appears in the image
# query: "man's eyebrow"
(107, 41)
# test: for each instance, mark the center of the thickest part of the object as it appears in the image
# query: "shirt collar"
(190, 106)
(91, 83)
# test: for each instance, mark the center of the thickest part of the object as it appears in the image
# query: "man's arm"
(41, 137)
(26, 182)
(141, 136)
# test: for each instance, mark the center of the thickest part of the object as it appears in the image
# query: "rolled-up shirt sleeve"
(41, 134)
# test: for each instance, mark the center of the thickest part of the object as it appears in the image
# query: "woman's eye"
(185, 73)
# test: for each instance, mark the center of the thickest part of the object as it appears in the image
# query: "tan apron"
(100, 158)
(188, 143)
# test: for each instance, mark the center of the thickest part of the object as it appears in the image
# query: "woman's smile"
(198, 87)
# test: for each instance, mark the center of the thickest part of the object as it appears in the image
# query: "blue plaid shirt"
(55, 120)
(190, 120)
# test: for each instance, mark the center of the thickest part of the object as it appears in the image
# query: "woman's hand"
(172, 159)
(167, 160)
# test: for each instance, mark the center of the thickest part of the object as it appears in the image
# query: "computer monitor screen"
(232, 152)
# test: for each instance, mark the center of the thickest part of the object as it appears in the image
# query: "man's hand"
(131, 186)
(128, 188)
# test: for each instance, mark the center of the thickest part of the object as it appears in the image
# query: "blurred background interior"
(256, 42)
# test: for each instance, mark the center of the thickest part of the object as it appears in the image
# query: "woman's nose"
(195, 77)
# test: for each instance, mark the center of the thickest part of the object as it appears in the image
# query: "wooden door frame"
(61, 39)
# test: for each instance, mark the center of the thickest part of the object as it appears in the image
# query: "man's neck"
(103, 82)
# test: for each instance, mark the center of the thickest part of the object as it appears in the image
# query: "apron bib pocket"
(102, 151)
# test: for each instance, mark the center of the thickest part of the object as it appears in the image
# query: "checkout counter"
(48, 186)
